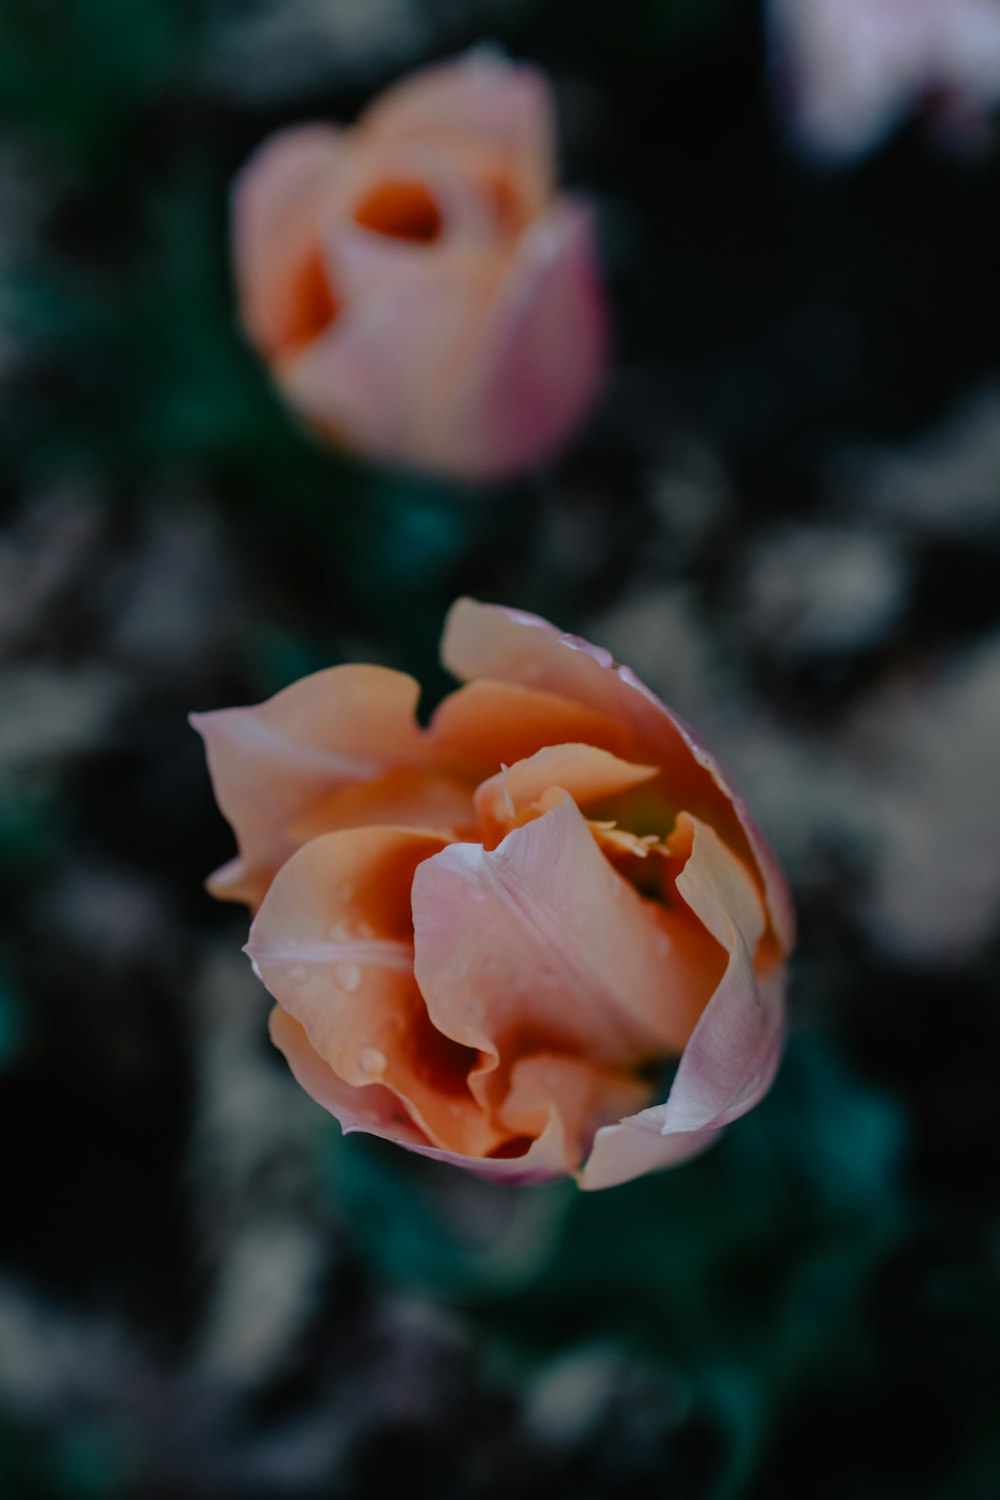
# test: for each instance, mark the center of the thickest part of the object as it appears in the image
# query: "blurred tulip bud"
(417, 288)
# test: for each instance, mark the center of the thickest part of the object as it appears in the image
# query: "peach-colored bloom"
(418, 289)
(488, 936)
(856, 67)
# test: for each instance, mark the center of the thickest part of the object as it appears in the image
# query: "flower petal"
(586, 773)
(410, 796)
(482, 640)
(276, 233)
(485, 724)
(381, 380)
(540, 945)
(375, 1111)
(541, 359)
(731, 1058)
(583, 1096)
(269, 764)
(478, 97)
(636, 1146)
(333, 944)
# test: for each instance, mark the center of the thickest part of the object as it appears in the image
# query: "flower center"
(401, 211)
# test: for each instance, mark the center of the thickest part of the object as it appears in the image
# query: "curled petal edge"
(373, 1110)
(727, 1067)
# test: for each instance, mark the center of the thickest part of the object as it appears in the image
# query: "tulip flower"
(420, 291)
(492, 939)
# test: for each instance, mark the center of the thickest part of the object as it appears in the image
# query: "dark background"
(785, 515)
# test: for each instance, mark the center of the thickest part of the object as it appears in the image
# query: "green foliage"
(75, 71)
(744, 1272)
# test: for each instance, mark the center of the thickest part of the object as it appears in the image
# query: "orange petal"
(586, 773)
(376, 1111)
(333, 944)
(584, 1097)
(270, 764)
(373, 1109)
(487, 723)
(412, 797)
(716, 885)
(284, 296)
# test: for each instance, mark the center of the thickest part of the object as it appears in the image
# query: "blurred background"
(785, 514)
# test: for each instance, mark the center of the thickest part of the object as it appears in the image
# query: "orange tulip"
(420, 293)
(487, 937)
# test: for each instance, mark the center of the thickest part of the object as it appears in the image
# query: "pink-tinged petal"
(732, 1056)
(586, 773)
(284, 297)
(540, 945)
(730, 1062)
(636, 1146)
(333, 944)
(480, 97)
(727, 1067)
(271, 763)
(485, 724)
(482, 640)
(541, 360)
(380, 379)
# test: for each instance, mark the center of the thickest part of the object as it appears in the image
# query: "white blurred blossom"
(853, 69)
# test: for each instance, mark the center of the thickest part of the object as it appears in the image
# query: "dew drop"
(348, 976)
(372, 1061)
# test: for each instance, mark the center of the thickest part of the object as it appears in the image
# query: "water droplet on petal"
(372, 1061)
(348, 976)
